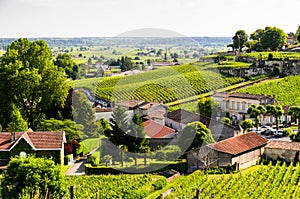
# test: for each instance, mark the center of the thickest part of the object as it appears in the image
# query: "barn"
(243, 150)
(282, 150)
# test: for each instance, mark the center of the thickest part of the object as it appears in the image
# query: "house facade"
(243, 151)
(40, 144)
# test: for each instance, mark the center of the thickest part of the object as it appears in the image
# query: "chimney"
(13, 137)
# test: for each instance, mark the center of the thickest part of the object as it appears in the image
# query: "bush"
(159, 184)
(287, 131)
(92, 160)
(31, 177)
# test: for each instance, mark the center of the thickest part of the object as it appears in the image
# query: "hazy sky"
(78, 18)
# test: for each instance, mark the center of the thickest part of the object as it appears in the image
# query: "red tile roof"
(276, 144)
(131, 104)
(239, 144)
(155, 130)
(38, 140)
(240, 95)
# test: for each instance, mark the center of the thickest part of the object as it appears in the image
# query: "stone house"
(237, 104)
(243, 151)
(180, 118)
(40, 144)
(281, 150)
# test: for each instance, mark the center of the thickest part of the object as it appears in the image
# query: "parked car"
(265, 127)
(268, 132)
(257, 131)
(278, 133)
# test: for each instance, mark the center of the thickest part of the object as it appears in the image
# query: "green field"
(256, 182)
(118, 186)
(167, 84)
(276, 55)
(285, 89)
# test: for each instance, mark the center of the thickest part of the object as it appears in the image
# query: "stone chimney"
(13, 137)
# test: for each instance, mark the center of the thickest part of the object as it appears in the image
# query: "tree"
(226, 120)
(107, 159)
(65, 61)
(194, 135)
(208, 107)
(72, 130)
(256, 112)
(119, 126)
(17, 122)
(239, 39)
(123, 149)
(34, 178)
(295, 110)
(273, 38)
(30, 81)
(276, 111)
(83, 114)
(247, 124)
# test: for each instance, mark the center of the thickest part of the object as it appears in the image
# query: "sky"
(109, 18)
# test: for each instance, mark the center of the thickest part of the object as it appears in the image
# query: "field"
(276, 55)
(261, 182)
(285, 89)
(119, 186)
(167, 84)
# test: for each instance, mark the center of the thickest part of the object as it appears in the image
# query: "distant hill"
(112, 41)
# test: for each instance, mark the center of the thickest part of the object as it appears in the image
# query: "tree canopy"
(32, 178)
(239, 39)
(256, 112)
(276, 111)
(30, 81)
(65, 61)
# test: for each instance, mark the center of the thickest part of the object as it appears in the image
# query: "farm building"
(281, 150)
(40, 144)
(180, 118)
(243, 150)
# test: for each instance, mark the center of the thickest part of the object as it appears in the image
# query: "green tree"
(256, 112)
(30, 80)
(276, 111)
(208, 107)
(119, 126)
(17, 124)
(83, 114)
(34, 178)
(65, 61)
(247, 124)
(273, 38)
(72, 130)
(295, 110)
(239, 39)
(226, 120)
(196, 134)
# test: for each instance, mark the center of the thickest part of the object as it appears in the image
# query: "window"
(232, 105)
(238, 105)
(243, 106)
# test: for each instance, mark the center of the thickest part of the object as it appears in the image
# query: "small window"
(23, 154)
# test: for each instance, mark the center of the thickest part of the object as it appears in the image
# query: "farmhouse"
(180, 118)
(40, 144)
(243, 151)
(281, 150)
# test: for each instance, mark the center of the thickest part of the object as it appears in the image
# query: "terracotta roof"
(276, 144)
(38, 140)
(155, 130)
(239, 144)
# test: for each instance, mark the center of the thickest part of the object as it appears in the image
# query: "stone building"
(281, 150)
(243, 151)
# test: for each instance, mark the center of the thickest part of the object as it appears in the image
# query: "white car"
(278, 133)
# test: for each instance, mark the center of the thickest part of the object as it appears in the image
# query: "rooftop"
(240, 143)
(276, 144)
(156, 130)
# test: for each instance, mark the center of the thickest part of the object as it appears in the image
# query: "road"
(78, 167)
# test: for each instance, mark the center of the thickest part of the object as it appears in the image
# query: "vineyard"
(166, 84)
(275, 55)
(119, 186)
(266, 182)
(285, 89)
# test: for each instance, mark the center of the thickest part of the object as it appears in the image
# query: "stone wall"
(277, 154)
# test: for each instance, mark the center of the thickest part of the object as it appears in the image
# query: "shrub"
(31, 177)
(159, 184)
(92, 160)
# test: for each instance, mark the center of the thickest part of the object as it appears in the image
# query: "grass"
(86, 83)
(91, 143)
